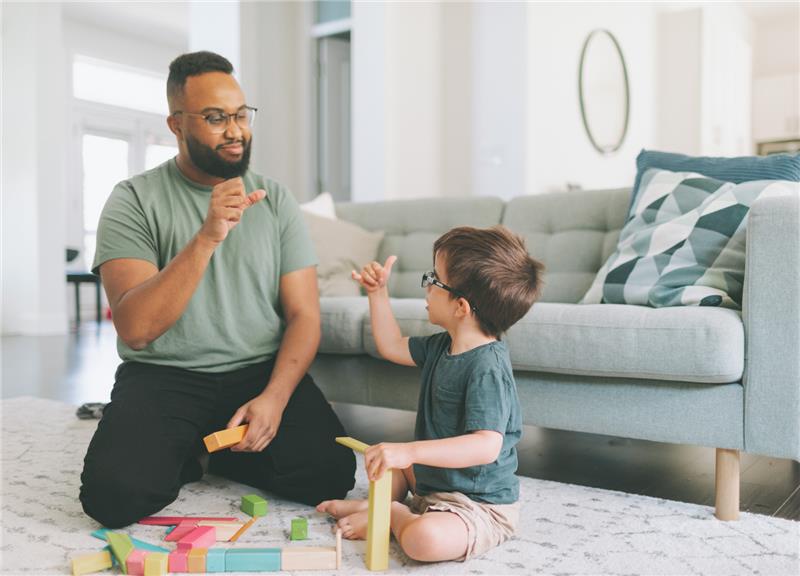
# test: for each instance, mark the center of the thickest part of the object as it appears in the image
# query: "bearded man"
(211, 278)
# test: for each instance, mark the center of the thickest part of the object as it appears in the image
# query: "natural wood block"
(224, 530)
(225, 438)
(308, 558)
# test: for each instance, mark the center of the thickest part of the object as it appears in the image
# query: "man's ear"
(175, 126)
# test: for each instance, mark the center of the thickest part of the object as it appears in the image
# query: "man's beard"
(209, 161)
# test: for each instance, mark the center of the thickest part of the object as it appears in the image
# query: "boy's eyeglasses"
(217, 122)
(429, 279)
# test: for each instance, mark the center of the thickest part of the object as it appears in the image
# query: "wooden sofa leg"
(727, 484)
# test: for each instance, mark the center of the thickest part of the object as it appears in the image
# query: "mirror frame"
(612, 147)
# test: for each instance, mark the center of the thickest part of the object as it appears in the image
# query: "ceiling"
(165, 21)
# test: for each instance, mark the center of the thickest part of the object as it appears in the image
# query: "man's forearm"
(147, 311)
(298, 349)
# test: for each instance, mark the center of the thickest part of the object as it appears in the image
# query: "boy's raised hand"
(373, 276)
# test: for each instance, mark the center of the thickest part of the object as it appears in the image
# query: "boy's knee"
(420, 540)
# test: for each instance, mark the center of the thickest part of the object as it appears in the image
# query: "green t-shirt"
(459, 394)
(234, 318)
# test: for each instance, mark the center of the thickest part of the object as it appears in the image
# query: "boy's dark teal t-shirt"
(460, 394)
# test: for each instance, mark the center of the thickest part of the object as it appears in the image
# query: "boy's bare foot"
(341, 508)
(354, 526)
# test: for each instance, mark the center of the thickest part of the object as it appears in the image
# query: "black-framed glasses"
(429, 279)
(217, 121)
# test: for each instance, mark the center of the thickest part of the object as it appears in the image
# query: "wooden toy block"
(196, 560)
(200, 537)
(174, 520)
(338, 548)
(299, 529)
(179, 561)
(380, 503)
(88, 563)
(254, 505)
(180, 531)
(101, 534)
(135, 562)
(225, 530)
(308, 558)
(243, 529)
(225, 438)
(352, 443)
(252, 560)
(215, 560)
(156, 564)
(121, 547)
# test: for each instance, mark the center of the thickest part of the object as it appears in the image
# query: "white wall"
(215, 26)
(557, 148)
(33, 170)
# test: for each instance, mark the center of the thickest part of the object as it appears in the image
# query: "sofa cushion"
(410, 228)
(342, 321)
(736, 170)
(684, 244)
(572, 233)
(704, 345)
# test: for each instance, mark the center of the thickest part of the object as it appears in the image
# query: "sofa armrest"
(771, 314)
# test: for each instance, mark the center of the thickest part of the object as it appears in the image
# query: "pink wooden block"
(178, 561)
(200, 537)
(181, 530)
(135, 562)
(173, 520)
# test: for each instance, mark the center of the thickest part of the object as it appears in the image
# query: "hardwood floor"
(79, 367)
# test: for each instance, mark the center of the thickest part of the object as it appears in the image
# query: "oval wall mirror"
(603, 91)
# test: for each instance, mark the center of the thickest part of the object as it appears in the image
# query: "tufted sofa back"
(572, 233)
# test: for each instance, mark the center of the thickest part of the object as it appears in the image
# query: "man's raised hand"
(228, 203)
(373, 276)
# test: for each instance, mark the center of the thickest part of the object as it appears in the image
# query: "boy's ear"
(464, 308)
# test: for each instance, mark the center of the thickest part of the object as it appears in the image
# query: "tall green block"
(254, 505)
(121, 546)
(299, 529)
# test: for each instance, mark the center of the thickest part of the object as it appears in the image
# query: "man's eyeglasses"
(429, 279)
(217, 121)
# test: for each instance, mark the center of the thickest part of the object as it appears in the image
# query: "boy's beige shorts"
(488, 525)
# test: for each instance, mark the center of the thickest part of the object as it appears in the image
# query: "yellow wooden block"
(156, 564)
(352, 443)
(196, 560)
(225, 438)
(308, 558)
(89, 563)
(380, 505)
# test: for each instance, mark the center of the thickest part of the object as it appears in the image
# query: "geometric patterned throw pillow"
(684, 242)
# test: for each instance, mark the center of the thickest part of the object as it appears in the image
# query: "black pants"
(147, 443)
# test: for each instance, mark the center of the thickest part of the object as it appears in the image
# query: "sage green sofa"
(689, 375)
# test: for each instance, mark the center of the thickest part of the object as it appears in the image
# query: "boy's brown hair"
(492, 269)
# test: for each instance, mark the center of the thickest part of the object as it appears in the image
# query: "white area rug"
(564, 530)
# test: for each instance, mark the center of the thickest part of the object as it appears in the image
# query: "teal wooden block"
(254, 505)
(253, 560)
(215, 560)
(141, 544)
(299, 529)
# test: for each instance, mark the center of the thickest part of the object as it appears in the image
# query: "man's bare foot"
(341, 508)
(354, 526)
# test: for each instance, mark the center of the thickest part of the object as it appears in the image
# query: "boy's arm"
(391, 343)
(473, 449)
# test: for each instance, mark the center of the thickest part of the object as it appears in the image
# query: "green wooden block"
(252, 560)
(299, 529)
(121, 546)
(254, 505)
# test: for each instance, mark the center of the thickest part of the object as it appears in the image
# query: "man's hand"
(228, 203)
(373, 276)
(386, 455)
(263, 415)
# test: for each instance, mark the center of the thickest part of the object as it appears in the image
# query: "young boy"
(460, 470)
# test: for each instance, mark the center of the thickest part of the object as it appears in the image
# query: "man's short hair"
(492, 269)
(193, 64)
